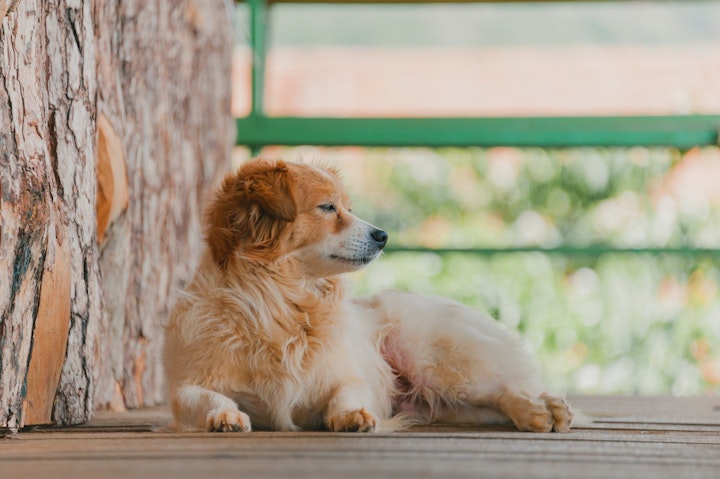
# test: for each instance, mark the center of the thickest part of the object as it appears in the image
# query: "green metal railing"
(258, 130)
(677, 131)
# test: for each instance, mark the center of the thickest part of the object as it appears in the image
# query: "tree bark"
(164, 86)
(50, 305)
(114, 121)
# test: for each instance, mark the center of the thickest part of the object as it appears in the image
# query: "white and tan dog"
(264, 333)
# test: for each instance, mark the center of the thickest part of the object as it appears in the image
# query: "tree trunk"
(114, 120)
(50, 287)
(164, 86)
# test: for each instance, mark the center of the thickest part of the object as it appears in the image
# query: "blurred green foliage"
(615, 323)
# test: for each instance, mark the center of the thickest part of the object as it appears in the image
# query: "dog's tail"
(399, 422)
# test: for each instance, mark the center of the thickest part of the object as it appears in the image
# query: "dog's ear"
(250, 212)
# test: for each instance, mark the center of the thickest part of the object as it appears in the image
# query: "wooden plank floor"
(629, 437)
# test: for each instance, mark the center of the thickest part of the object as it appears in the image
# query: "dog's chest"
(308, 365)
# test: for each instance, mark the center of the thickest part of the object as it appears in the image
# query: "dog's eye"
(328, 208)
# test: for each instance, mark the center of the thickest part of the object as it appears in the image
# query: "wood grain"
(112, 182)
(52, 325)
(659, 437)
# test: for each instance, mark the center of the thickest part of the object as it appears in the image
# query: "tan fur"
(264, 335)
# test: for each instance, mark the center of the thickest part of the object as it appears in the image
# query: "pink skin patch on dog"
(407, 398)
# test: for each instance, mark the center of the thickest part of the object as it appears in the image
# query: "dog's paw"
(561, 412)
(227, 420)
(358, 420)
(534, 417)
(544, 414)
(527, 413)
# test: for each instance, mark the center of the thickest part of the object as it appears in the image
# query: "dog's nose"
(380, 237)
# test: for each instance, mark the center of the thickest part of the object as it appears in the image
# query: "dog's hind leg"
(198, 407)
(464, 367)
(508, 405)
(542, 413)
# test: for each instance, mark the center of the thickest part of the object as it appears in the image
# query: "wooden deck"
(631, 437)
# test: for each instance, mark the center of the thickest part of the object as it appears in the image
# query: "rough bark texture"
(47, 172)
(114, 121)
(164, 85)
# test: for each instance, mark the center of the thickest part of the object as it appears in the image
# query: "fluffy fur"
(264, 335)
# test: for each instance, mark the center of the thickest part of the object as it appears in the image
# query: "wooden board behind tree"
(114, 122)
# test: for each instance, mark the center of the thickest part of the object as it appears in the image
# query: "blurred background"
(598, 320)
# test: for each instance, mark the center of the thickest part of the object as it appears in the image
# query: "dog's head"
(270, 210)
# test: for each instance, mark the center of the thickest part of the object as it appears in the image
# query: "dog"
(265, 337)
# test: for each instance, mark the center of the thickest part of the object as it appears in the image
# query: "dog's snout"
(380, 237)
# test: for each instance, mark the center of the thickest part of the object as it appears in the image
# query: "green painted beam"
(590, 250)
(258, 35)
(551, 132)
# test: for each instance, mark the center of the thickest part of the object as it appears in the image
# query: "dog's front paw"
(358, 420)
(227, 420)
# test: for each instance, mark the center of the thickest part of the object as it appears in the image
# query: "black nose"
(380, 237)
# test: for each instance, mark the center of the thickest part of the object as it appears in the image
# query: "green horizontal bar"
(593, 250)
(548, 132)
